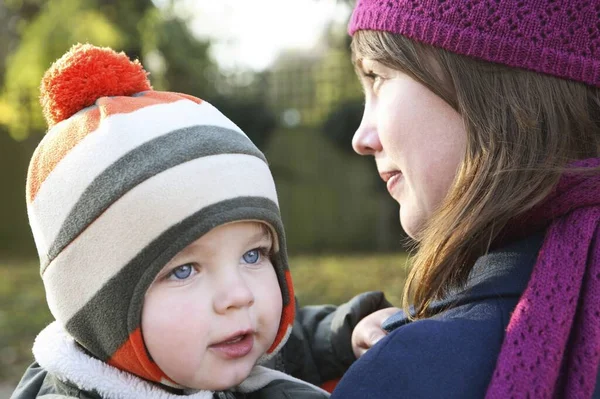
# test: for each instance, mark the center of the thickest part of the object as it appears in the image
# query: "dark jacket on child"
(317, 351)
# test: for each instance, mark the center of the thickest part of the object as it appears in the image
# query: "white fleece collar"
(55, 350)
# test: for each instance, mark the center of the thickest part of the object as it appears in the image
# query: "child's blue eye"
(182, 272)
(251, 256)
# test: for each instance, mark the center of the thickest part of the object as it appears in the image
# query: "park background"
(280, 69)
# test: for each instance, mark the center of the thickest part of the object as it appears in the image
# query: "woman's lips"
(391, 183)
(391, 179)
(235, 347)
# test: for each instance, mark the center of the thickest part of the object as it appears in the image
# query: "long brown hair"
(522, 129)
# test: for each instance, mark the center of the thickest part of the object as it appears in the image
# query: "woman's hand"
(368, 331)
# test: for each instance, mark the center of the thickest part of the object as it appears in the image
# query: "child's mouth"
(235, 347)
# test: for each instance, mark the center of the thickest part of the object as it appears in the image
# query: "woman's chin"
(410, 224)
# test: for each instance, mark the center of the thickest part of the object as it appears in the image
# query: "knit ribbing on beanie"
(556, 37)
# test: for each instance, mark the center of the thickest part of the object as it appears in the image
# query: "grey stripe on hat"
(142, 163)
(107, 320)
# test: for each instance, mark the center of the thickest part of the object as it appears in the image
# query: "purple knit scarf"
(552, 343)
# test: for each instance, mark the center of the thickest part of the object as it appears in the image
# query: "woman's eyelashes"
(370, 75)
(372, 79)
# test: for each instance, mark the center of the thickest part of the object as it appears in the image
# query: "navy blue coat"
(452, 354)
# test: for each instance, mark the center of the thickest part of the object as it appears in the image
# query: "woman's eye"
(372, 76)
(252, 256)
(373, 79)
(181, 272)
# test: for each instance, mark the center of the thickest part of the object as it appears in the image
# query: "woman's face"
(417, 139)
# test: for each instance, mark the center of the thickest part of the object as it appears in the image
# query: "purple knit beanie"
(556, 37)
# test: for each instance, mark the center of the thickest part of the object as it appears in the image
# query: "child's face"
(215, 308)
(417, 139)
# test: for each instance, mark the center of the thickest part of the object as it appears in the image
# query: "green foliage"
(317, 280)
(52, 32)
(48, 29)
(337, 81)
(187, 64)
(251, 114)
(27, 9)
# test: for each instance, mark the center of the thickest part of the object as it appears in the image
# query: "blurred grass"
(317, 280)
(336, 279)
(23, 313)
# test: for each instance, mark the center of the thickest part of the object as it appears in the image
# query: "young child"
(483, 117)
(162, 250)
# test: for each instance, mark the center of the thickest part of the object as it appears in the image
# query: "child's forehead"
(226, 234)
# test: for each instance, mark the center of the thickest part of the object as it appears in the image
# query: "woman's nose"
(366, 139)
(232, 292)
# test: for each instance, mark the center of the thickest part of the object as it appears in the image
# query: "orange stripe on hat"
(287, 315)
(66, 136)
(132, 357)
(55, 145)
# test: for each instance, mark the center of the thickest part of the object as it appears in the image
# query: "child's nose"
(232, 292)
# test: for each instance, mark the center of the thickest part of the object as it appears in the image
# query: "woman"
(484, 121)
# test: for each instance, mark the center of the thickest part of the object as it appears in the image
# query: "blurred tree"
(251, 114)
(177, 60)
(46, 32)
(342, 122)
(127, 15)
(187, 64)
(8, 40)
(344, 117)
(180, 62)
(335, 76)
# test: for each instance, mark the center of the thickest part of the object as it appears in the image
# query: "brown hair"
(522, 129)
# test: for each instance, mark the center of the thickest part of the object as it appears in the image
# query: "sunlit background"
(280, 69)
(251, 34)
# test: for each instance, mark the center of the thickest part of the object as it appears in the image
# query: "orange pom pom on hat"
(125, 178)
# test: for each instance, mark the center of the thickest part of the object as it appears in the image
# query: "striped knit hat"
(125, 178)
